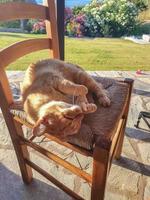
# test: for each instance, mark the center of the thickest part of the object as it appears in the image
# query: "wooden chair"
(105, 143)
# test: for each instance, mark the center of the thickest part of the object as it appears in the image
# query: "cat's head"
(58, 118)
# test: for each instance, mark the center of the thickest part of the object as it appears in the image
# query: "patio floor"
(129, 177)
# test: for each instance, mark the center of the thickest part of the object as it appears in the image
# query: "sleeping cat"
(54, 97)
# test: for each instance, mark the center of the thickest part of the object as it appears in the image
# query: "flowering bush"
(68, 16)
(107, 18)
(112, 18)
(141, 4)
(35, 26)
(39, 27)
(77, 10)
(76, 26)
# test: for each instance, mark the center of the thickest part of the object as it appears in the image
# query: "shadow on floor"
(141, 92)
(12, 188)
(133, 165)
(139, 134)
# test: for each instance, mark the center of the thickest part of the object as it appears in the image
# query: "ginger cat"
(54, 97)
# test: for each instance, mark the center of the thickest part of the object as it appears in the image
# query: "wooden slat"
(53, 180)
(23, 122)
(51, 28)
(16, 10)
(66, 144)
(58, 160)
(5, 85)
(19, 49)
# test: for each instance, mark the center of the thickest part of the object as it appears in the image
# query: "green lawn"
(92, 54)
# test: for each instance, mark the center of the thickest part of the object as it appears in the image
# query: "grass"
(91, 54)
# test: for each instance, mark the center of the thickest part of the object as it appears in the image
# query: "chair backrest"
(16, 10)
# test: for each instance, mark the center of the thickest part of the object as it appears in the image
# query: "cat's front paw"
(88, 107)
(104, 101)
(91, 107)
(82, 90)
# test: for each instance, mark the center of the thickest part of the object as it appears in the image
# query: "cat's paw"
(72, 112)
(88, 107)
(82, 90)
(104, 101)
(91, 107)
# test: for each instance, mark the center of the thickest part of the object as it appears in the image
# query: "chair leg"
(15, 129)
(120, 141)
(100, 172)
(122, 131)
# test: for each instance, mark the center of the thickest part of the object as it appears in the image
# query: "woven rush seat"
(95, 125)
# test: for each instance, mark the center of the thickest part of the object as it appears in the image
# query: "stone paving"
(129, 177)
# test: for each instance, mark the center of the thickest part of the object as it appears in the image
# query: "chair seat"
(101, 123)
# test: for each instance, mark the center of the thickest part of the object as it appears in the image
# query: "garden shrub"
(109, 18)
(141, 4)
(145, 27)
(77, 10)
(29, 24)
(112, 18)
(68, 16)
(76, 26)
(36, 26)
(142, 28)
(10, 24)
(39, 27)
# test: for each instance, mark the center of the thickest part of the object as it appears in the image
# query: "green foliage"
(77, 10)
(112, 18)
(142, 28)
(10, 24)
(107, 18)
(29, 25)
(141, 4)
(145, 28)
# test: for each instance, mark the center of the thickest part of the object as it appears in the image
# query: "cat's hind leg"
(94, 87)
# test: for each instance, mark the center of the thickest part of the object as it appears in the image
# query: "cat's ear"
(39, 128)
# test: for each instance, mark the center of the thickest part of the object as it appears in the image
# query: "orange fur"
(49, 90)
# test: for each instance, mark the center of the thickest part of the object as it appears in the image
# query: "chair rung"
(66, 144)
(70, 146)
(20, 10)
(22, 48)
(53, 180)
(87, 177)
